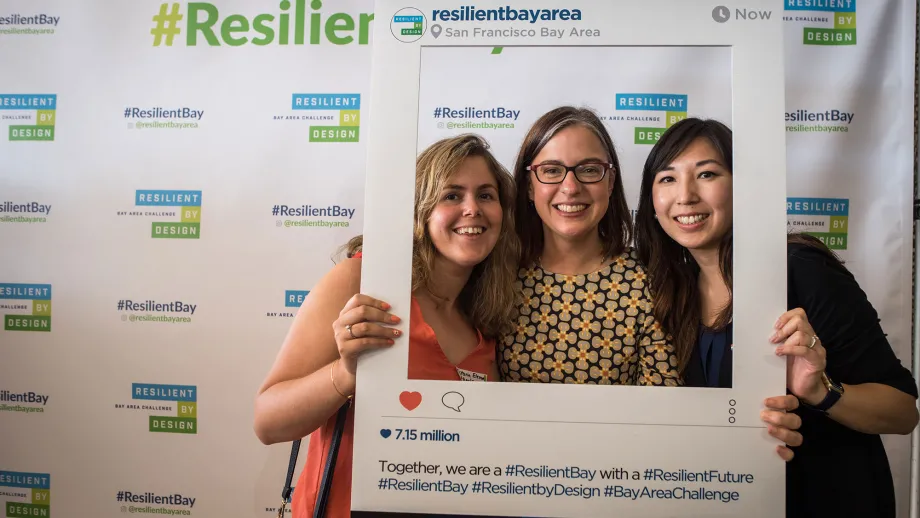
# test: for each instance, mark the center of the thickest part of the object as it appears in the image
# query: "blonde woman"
(463, 269)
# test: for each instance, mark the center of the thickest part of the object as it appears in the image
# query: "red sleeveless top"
(426, 362)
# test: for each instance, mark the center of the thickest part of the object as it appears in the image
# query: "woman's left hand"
(806, 357)
(782, 423)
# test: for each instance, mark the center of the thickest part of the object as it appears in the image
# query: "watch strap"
(834, 391)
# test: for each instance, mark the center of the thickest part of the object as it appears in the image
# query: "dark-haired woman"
(840, 365)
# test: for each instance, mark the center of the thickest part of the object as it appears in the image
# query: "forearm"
(292, 409)
(873, 408)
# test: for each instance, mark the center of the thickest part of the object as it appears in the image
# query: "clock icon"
(721, 14)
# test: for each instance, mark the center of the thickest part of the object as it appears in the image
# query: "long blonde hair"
(488, 298)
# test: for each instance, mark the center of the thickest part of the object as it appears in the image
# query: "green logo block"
(173, 424)
(349, 118)
(818, 36)
(648, 135)
(188, 409)
(845, 21)
(672, 118)
(45, 117)
(333, 134)
(191, 214)
(20, 133)
(170, 230)
(839, 224)
(834, 241)
(41, 308)
(17, 510)
(41, 496)
(416, 30)
(26, 323)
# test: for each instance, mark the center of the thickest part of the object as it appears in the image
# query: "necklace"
(599, 265)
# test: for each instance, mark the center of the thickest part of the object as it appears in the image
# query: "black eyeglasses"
(591, 172)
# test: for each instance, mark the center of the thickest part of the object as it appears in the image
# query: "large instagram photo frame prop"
(597, 426)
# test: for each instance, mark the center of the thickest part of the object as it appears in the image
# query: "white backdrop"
(148, 326)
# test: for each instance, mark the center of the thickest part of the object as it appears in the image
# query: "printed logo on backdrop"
(25, 494)
(292, 301)
(27, 402)
(825, 22)
(141, 310)
(661, 111)
(329, 117)
(819, 121)
(328, 216)
(290, 23)
(25, 307)
(408, 25)
(171, 408)
(159, 117)
(469, 118)
(33, 24)
(24, 212)
(824, 218)
(31, 117)
(149, 502)
(175, 214)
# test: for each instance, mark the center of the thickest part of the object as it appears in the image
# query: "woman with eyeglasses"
(585, 314)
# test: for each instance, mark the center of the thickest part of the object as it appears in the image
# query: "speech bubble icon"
(436, 30)
(453, 400)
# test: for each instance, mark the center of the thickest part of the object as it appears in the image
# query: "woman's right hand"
(357, 331)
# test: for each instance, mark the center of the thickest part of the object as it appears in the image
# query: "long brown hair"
(673, 273)
(488, 298)
(615, 227)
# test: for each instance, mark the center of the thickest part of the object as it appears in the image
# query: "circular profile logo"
(408, 25)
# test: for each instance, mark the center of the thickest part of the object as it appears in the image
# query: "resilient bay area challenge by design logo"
(824, 218)
(31, 117)
(25, 307)
(329, 117)
(25, 495)
(825, 22)
(293, 299)
(650, 113)
(175, 214)
(179, 400)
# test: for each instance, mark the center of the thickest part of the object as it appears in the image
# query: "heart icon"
(410, 400)
(385, 433)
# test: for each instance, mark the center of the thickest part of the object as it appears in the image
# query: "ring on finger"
(352, 333)
(814, 340)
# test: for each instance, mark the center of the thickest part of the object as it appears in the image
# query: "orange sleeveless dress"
(427, 362)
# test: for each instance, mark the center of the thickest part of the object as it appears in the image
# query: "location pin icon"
(436, 30)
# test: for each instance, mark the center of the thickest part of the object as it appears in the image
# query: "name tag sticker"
(466, 375)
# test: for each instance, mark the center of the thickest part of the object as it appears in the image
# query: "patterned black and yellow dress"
(596, 328)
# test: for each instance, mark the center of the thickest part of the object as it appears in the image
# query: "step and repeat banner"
(175, 177)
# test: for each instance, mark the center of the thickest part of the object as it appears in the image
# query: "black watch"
(834, 391)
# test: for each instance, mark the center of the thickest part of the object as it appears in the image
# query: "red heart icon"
(410, 400)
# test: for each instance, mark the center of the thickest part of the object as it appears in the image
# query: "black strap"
(326, 484)
(286, 492)
(322, 499)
